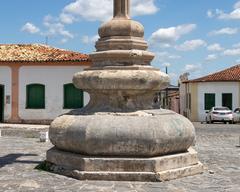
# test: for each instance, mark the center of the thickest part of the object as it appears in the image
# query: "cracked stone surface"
(216, 145)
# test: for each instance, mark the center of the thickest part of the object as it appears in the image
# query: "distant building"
(169, 98)
(218, 89)
(36, 82)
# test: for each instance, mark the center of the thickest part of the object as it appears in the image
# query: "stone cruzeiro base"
(145, 133)
(161, 168)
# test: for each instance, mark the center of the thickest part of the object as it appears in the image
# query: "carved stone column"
(121, 8)
(119, 135)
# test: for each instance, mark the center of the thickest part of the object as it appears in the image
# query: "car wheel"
(210, 121)
(225, 122)
(207, 121)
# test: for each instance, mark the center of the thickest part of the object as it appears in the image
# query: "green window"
(209, 100)
(73, 97)
(227, 100)
(35, 96)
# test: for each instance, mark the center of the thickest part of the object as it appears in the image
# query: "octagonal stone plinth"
(153, 169)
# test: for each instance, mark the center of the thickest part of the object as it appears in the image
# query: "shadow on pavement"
(12, 158)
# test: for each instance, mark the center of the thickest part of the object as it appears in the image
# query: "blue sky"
(199, 37)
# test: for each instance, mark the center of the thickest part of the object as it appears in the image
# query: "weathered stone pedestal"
(119, 135)
(140, 146)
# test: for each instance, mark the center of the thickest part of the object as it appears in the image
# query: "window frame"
(205, 104)
(28, 99)
(65, 99)
(231, 108)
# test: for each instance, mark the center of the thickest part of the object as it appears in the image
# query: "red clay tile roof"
(230, 74)
(37, 52)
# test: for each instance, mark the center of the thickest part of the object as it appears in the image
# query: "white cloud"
(192, 68)
(215, 47)
(225, 31)
(166, 64)
(30, 28)
(211, 57)
(66, 18)
(86, 39)
(234, 14)
(191, 45)
(64, 40)
(165, 56)
(210, 14)
(92, 10)
(54, 27)
(173, 77)
(237, 5)
(237, 45)
(171, 34)
(143, 7)
(232, 52)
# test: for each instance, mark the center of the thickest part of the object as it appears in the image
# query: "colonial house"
(169, 98)
(36, 82)
(197, 96)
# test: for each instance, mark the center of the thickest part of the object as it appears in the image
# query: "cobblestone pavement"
(22, 130)
(216, 145)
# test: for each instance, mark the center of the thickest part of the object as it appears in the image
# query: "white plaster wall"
(6, 80)
(53, 78)
(218, 88)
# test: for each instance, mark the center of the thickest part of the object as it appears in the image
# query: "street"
(216, 145)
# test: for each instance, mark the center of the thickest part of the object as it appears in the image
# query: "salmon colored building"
(36, 82)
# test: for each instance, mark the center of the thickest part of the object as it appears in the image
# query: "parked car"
(236, 115)
(219, 114)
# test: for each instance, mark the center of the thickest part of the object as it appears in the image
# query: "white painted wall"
(218, 88)
(53, 77)
(6, 80)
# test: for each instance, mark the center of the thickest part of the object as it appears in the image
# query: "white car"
(236, 115)
(219, 114)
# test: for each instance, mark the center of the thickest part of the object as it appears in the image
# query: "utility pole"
(46, 40)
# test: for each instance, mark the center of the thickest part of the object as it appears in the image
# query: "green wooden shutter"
(35, 96)
(209, 100)
(73, 97)
(227, 100)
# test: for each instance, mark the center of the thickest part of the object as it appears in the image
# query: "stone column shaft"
(121, 8)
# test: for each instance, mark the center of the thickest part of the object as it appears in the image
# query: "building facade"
(169, 98)
(36, 82)
(219, 89)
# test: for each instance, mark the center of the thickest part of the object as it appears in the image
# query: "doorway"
(1, 103)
